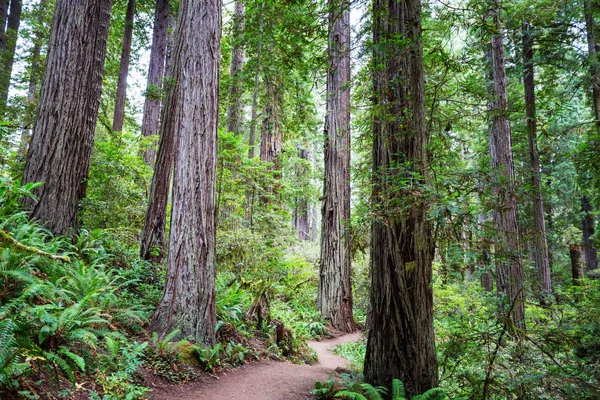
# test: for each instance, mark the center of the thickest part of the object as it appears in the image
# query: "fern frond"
(348, 394)
(432, 394)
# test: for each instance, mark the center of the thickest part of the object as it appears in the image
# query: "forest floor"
(271, 380)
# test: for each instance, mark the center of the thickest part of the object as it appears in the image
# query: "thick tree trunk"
(63, 135)
(236, 102)
(401, 341)
(154, 245)
(119, 114)
(509, 268)
(254, 112)
(576, 263)
(335, 288)
(593, 52)
(156, 72)
(587, 229)
(188, 302)
(8, 54)
(542, 258)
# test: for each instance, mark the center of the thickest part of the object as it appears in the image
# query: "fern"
(348, 394)
(398, 391)
(432, 394)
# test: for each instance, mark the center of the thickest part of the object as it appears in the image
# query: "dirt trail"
(272, 380)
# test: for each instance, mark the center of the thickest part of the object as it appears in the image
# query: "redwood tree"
(63, 135)
(188, 302)
(8, 52)
(119, 114)
(335, 288)
(542, 257)
(401, 336)
(156, 72)
(509, 267)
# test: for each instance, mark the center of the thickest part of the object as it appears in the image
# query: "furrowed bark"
(8, 53)
(119, 113)
(156, 72)
(188, 302)
(334, 299)
(63, 135)
(401, 341)
(509, 268)
(542, 258)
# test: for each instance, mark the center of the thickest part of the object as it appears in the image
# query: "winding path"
(272, 380)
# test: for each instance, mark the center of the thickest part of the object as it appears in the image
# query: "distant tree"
(509, 267)
(236, 102)
(335, 289)
(156, 72)
(542, 257)
(188, 302)
(119, 113)
(401, 341)
(8, 52)
(63, 135)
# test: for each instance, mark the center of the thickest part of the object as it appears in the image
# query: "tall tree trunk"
(542, 258)
(335, 288)
(254, 112)
(153, 244)
(590, 9)
(119, 114)
(401, 341)
(509, 268)
(576, 263)
(63, 135)
(271, 140)
(236, 103)
(156, 72)
(35, 72)
(483, 256)
(302, 224)
(587, 229)
(4, 4)
(8, 53)
(188, 302)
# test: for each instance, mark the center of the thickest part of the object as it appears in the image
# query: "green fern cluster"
(331, 389)
(59, 318)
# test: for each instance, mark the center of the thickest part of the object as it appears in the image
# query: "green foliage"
(163, 358)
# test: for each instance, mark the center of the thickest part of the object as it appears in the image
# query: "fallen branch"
(18, 245)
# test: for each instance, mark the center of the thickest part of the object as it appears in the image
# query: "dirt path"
(272, 380)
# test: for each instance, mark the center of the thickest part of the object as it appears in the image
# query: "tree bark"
(301, 222)
(587, 229)
(542, 258)
(576, 263)
(63, 135)
(593, 51)
(119, 114)
(271, 140)
(8, 53)
(401, 341)
(254, 112)
(334, 299)
(153, 245)
(509, 268)
(188, 302)
(4, 4)
(236, 102)
(156, 72)
(35, 72)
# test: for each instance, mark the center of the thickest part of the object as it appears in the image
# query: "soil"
(271, 380)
